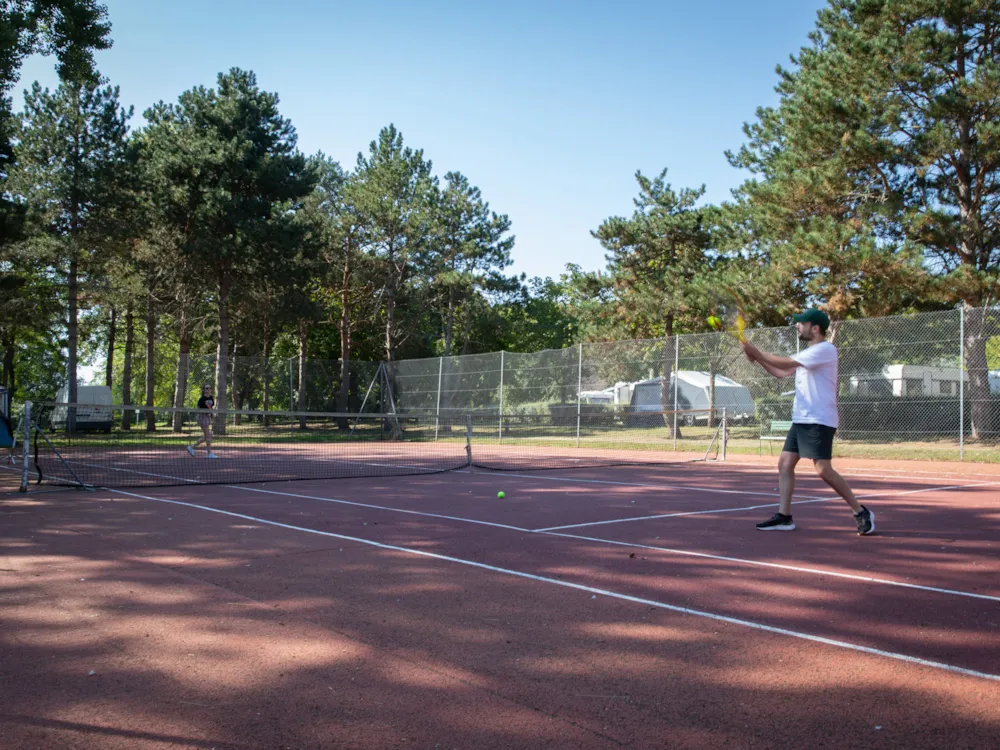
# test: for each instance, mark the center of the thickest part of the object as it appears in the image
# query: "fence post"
(961, 383)
(579, 389)
(437, 414)
(677, 381)
(25, 446)
(501, 394)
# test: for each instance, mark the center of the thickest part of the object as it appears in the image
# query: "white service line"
(593, 591)
(780, 566)
(375, 507)
(552, 532)
(686, 487)
(898, 493)
(807, 499)
(674, 515)
(105, 467)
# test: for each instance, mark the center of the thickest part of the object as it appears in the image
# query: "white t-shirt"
(816, 386)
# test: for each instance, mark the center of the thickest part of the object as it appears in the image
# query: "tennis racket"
(728, 314)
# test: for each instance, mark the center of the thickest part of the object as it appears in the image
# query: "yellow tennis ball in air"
(714, 321)
(500, 495)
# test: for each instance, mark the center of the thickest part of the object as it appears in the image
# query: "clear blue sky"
(549, 107)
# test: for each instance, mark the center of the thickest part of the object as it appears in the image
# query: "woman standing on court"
(814, 417)
(207, 401)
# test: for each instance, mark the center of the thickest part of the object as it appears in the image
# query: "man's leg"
(863, 517)
(786, 480)
(826, 472)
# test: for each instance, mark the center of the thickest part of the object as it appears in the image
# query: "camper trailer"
(909, 380)
(693, 394)
(94, 412)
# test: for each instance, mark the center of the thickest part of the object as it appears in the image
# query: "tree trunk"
(127, 368)
(73, 331)
(303, 353)
(449, 326)
(468, 327)
(235, 385)
(266, 406)
(8, 361)
(345, 353)
(183, 366)
(150, 363)
(109, 374)
(222, 356)
(979, 328)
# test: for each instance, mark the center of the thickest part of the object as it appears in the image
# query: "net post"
(25, 446)
(437, 413)
(579, 389)
(501, 394)
(725, 435)
(961, 383)
(468, 440)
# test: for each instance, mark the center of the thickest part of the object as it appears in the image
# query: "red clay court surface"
(613, 608)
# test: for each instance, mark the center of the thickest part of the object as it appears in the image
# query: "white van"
(91, 414)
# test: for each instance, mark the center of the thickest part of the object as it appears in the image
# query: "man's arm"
(779, 367)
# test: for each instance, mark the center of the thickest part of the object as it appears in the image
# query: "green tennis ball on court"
(500, 495)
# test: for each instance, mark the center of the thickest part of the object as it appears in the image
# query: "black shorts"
(813, 441)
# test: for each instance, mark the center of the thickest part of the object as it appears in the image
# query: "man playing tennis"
(207, 401)
(814, 417)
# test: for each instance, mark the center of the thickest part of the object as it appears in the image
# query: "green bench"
(779, 430)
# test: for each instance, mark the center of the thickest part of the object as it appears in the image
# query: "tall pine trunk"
(468, 327)
(267, 373)
(109, 374)
(449, 325)
(183, 366)
(222, 356)
(345, 340)
(73, 331)
(979, 329)
(8, 360)
(303, 353)
(150, 363)
(127, 368)
(235, 383)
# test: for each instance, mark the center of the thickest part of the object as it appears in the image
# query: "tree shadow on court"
(134, 624)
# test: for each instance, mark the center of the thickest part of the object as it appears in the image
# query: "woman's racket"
(728, 314)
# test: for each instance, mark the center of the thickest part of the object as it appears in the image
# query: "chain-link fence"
(916, 386)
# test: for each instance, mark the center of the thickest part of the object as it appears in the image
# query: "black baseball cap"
(814, 316)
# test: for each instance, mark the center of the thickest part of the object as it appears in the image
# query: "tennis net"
(86, 445)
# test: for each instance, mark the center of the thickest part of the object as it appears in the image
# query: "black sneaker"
(865, 520)
(778, 522)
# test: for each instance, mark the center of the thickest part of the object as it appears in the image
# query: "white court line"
(675, 515)
(375, 507)
(551, 532)
(858, 648)
(859, 471)
(898, 493)
(689, 488)
(105, 467)
(780, 566)
(806, 499)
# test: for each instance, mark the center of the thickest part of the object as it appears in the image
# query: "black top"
(206, 402)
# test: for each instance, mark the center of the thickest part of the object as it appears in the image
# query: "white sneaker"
(190, 449)
(212, 455)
